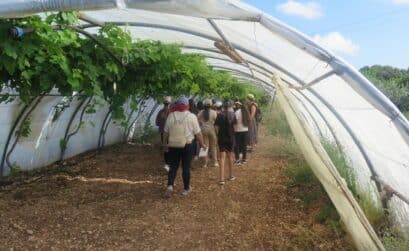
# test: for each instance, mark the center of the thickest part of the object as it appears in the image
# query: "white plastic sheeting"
(349, 210)
(42, 146)
(374, 134)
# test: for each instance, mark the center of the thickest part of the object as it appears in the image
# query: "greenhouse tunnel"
(322, 96)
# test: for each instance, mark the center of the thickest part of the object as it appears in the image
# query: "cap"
(238, 103)
(250, 96)
(167, 99)
(208, 102)
(218, 104)
(182, 101)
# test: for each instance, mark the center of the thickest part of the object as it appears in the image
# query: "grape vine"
(39, 55)
(110, 65)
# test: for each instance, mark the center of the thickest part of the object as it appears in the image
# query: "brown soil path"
(114, 201)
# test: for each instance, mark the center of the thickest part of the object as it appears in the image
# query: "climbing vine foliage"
(54, 52)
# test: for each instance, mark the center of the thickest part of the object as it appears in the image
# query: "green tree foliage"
(393, 82)
(109, 65)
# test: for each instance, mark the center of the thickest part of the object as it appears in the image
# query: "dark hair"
(192, 107)
(245, 115)
(206, 113)
(199, 105)
(227, 104)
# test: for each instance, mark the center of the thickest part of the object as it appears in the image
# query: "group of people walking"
(222, 132)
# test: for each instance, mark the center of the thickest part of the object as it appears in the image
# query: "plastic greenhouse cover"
(372, 131)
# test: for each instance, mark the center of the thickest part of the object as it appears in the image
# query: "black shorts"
(226, 146)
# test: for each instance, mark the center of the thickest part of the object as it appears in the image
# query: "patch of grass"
(373, 212)
(283, 144)
(299, 172)
(15, 170)
(310, 197)
(406, 114)
(393, 242)
(25, 128)
(327, 214)
(276, 122)
(300, 175)
(305, 239)
(147, 134)
(340, 161)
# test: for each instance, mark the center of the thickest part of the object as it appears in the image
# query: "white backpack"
(177, 133)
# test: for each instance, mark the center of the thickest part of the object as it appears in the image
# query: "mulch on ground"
(114, 201)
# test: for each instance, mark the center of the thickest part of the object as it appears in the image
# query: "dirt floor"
(114, 201)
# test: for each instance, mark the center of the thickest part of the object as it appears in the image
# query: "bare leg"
(222, 163)
(230, 161)
(206, 141)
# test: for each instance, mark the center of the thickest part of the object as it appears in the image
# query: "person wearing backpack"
(225, 122)
(160, 123)
(180, 129)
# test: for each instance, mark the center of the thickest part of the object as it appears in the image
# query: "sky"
(363, 32)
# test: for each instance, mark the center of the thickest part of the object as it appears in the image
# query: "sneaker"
(186, 191)
(166, 167)
(232, 178)
(169, 192)
(216, 164)
(237, 162)
(205, 166)
(244, 162)
(221, 183)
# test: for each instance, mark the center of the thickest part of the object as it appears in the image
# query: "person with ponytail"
(207, 118)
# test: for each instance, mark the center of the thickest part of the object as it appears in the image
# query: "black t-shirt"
(225, 121)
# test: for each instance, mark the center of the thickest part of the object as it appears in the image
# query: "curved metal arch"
(249, 79)
(256, 82)
(400, 125)
(262, 70)
(239, 67)
(209, 37)
(354, 138)
(331, 129)
(224, 68)
(229, 61)
(219, 58)
(267, 61)
(310, 115)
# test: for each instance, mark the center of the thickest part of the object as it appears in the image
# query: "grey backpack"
(177, 133)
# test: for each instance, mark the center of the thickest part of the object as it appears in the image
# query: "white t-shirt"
(239, 127)
(190, 122)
